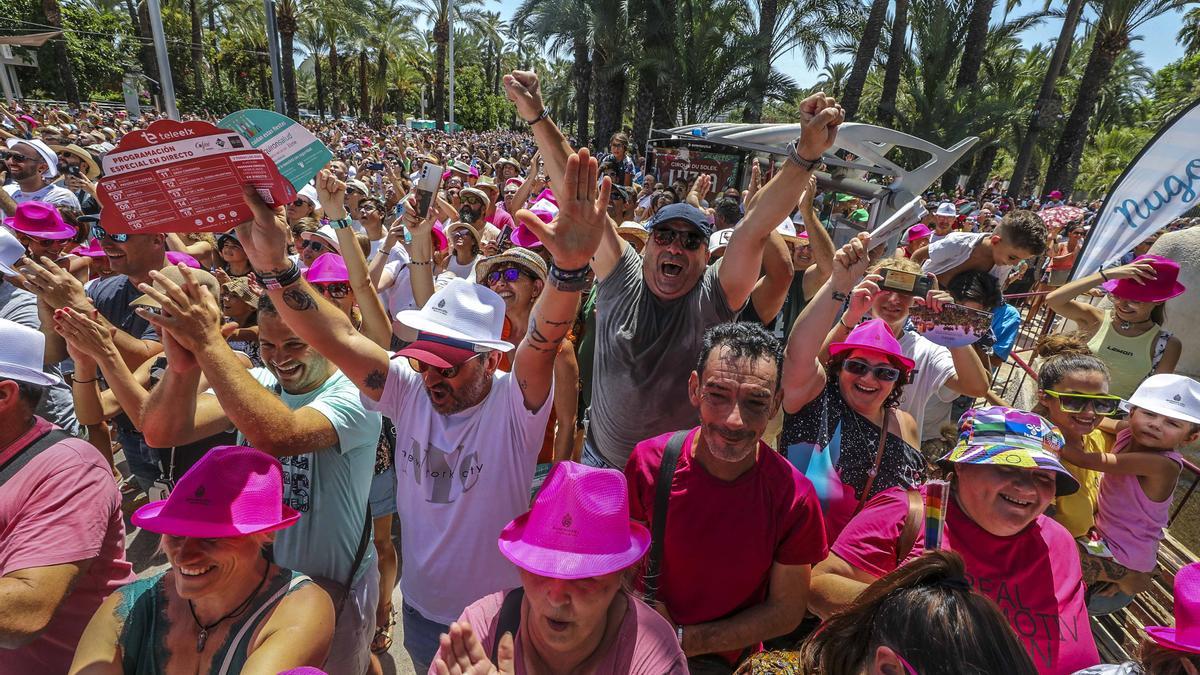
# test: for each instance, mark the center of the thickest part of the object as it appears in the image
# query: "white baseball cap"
(21, 352)
(1173, 396)
(43, 150)
(462, 310)
(718, 240)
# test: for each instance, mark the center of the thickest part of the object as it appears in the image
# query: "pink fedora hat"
(176, 257)
(918, 231)
(524, 237)
(874, 335)
(1163, 287)
(578, 527)
(92, 250)
(232, 491)
(39, 219)
(1185, 636)
(327, 268)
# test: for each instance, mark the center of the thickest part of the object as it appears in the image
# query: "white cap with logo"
(1173, 396)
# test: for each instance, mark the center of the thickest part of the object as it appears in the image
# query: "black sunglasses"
(663, 236)
(100, 233)
(314, 245)
(860, 368)
(334, 289)
(17, 157)
(299, 202)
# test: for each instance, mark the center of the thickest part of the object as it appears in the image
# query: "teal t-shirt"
(329, 487)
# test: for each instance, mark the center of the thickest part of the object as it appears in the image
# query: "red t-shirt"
(722, 537)
(63, 506)
(1033, 576)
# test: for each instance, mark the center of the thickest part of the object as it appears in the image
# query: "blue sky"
(1158, 45)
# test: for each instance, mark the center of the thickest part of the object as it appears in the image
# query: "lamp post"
(164, 63)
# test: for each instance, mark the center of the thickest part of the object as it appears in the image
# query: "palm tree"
(197, 45)
(1118, 20)
(311, 33)
(286, 22)
(833, 79)
(390, 29)
(1039, 119)
(59, 48)
(864, 56)
(437, 13)
(976, 44)
(654, 76)
(565, 27)
(1189, 32)
(886, 110)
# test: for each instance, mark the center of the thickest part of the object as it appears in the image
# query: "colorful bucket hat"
(876, 336)
(1185, 635)
(578, 526)
(328, 268)
(41, 220)
(1164, 286)
(1009, 437)
(232, 491)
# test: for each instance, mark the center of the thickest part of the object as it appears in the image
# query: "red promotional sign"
(185, 177)
(683, 163)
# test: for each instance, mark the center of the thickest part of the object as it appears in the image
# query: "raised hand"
(820, 115)
(265, 239)
(460, 652)
(850, 262)
(54, 285)
(576, 232)
(331, 192)
(522, 88)
(1140, 272)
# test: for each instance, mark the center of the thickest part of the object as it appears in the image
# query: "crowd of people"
(625, 425)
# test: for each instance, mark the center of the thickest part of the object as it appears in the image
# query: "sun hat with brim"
(460, 225)
(41, 220)
(201, 276)
(325, 234)
(11, 250)
(509, 161)
(92, 170)
(1170, 395)
(525, 237)
(486, 182)
(176, 257)
(358, 185)
(240, 288)
(633, 229)
(1164, 286)
(440, 351)
(513, 181)
(233, 491)
(787, 230)
(918, 231)
(516, 255)
(328, 268)
(685, 212)
(1184, 636)
(309, 193)
(22, 350)
(874, 336)
(578, 526)
(1009, 437)
(462, 310)
(43, 151)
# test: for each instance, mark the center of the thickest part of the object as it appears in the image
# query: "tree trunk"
(975, 44)
(197, 49)
(377, 111)
(760, 70)
(61, 59)
(149, 64)
(364, 101)
(581, 73)
(610, 97)
(664, 110)
(1064, 164)
(287, 48)
(212, 36)
(320, 85)
(335, 103)
(864, 57)
(496, 75)
(985, 159)
(1040, 118)
(441, 35)
(886, 111)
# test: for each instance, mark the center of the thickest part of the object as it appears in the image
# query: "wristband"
(94, 379)
(840, 296)
(340, 223)
(541, 116)
(842, 320)
(570, 281)
(425, 262)
(1104, 276)
(795, 158)
(276, 281)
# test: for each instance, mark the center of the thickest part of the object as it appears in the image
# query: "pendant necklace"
(1125, 325)
(237, 611)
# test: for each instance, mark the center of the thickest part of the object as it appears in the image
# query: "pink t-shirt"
(646, 644)
(501, 218)
(1033, 576)
(63, 506)
(723, 537)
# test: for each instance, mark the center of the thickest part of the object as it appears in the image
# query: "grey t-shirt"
(20, 306)
(645, 350)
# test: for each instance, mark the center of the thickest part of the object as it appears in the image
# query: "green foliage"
(475, 107)
(1107, 156)
(218, 101)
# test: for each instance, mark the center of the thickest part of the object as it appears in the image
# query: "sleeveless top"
(144, 633)
(834, 447)
(1129, 521)
(1130, 359)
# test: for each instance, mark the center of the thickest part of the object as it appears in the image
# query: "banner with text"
(684, 163)
(1159, 185)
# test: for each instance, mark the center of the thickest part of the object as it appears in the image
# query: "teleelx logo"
(163, 136)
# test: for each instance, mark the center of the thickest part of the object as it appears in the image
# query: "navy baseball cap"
(685, 212)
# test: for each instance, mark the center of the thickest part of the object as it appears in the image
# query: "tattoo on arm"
(299, 300)
(375, 379)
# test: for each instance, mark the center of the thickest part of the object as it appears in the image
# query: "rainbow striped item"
(936, 492)
(1009, 437)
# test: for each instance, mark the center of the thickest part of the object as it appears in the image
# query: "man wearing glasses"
(31, 164)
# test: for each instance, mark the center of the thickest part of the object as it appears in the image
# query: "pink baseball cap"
(578, 527)
(876, 336)
(176, 257)
(1164, 286)
(918, 231)
(326, 269)
(232, 491)
(41, 220)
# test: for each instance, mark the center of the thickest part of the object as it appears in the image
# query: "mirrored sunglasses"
(860, 368)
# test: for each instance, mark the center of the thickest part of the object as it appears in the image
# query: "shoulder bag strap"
(510, 618)
(866, 493)
(358, 558)
(662, 498)
(26, 454)
(912, 525)
(250, 623)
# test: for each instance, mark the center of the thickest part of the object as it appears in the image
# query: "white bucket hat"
(21, 352)
(462, 310)
(310, 193)
(1173, 396)
(11, 251)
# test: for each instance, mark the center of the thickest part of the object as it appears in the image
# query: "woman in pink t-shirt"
(575, 548)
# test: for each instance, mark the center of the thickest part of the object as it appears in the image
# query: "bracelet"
(840, 296)
(806, 164)
(841, 320)
(541, 116)
(75, 381)
(1103, 276)
(679, 632)
(426, 262)
(340, 223)
(273, 282)
(570, 281)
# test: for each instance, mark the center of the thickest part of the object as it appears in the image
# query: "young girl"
(1136, 491)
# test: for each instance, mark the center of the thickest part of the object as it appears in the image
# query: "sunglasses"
(446, 373)
(314, 245)
(882, 373)
(299, 202)
(690, 241)
(509, 274)
(1102, 404)
(100, 233)
(334, 289)
(17, 157)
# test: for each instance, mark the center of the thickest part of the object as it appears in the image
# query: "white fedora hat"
(21, 352)
(462, 310)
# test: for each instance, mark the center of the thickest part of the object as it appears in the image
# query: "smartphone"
(375, 166)
(906, 282)
(427, 186)
(72, 171)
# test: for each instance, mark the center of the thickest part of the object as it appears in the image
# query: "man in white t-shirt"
(468, 434)
(943, 221)
(31, 163)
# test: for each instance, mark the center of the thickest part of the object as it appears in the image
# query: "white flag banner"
(1161, 183)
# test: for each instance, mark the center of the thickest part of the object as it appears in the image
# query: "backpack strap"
(26, 454)
(662, 499)
(912, 525)
(510, 618)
